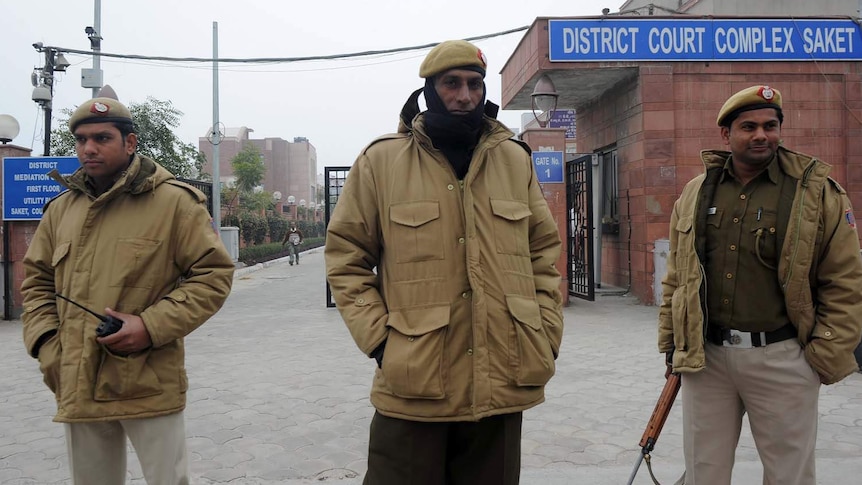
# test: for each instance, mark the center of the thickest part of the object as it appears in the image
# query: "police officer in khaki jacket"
(440, 254)
(129, 240)
(762, 301)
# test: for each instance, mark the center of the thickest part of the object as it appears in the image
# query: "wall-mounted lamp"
(9, 128)
(544, 100)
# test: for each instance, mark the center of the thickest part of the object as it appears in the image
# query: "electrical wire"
(258, 60)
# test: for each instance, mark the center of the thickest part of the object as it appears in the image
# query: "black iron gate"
(333, 182)
(579, 229)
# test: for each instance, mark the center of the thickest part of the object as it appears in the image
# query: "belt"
(745, 340)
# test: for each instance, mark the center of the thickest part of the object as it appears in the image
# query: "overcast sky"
(338, 105)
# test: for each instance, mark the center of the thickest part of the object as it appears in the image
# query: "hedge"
(252, 255)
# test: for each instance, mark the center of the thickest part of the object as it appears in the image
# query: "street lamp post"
(43, 82)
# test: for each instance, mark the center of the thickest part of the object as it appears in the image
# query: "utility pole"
(216, 137)
(92, 78)
(43, 82)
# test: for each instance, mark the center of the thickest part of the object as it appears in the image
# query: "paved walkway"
(279, 395)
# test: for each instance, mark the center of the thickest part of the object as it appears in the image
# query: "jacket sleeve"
(545, 247)
(40, 305)
(206, 282)
(837, 293)
(352, 253)
(669, 285)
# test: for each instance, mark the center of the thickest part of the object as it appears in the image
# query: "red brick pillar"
(554, 139)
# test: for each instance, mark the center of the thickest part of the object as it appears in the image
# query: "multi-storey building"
(291, 167)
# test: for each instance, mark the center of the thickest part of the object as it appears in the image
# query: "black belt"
(728, 338)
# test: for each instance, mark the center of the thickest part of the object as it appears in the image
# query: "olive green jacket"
(819, 269)
(145, 247)
(458, 278)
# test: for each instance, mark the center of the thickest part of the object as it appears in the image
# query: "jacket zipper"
(804, 184)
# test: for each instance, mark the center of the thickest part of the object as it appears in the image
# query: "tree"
(154, 124)
(248, 168)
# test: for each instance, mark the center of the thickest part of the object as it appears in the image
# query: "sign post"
(27, 186)
(549, 167)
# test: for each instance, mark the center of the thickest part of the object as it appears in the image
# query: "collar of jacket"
(795, 164)
(142, 175)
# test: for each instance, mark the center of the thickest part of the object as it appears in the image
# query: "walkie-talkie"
(109, 325)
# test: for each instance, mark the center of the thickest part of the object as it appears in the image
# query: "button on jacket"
(457, 277)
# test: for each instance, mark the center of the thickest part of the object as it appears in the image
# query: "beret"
(100, 110)
(754, 97)
(453, 54)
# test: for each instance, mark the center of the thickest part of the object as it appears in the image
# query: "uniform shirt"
(743, 291)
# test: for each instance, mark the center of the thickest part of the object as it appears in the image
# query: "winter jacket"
(145, 247)
(820, 270)
(457, 277)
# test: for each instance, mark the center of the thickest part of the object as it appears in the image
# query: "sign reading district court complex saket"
(593, 40)
(27, 186)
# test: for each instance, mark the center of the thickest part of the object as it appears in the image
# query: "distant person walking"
(293, 238)
(129, 240)
(441, 257)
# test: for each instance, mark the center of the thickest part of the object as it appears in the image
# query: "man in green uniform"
(762, 301)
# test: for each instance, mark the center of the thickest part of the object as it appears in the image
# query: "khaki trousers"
(778, 390)
(486, 452)
(97, 451)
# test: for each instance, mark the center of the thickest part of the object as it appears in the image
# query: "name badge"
(711, 211)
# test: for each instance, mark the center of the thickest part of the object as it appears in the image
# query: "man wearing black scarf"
(440, 255)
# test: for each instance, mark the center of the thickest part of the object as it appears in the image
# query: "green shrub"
(252, 255)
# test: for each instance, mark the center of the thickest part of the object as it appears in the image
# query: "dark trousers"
(487, 452)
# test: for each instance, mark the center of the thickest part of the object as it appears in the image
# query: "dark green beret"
(100, 110)
(754, 97)
(453, 54)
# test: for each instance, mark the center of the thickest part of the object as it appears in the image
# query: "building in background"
(291, 167)
(646, 84)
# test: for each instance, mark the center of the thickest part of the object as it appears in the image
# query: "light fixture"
(544, 100)
(60, 63)
(9, 128)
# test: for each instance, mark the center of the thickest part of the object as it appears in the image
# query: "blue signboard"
(27, 186)
(564, 118)
(592, 40)
(549, 166)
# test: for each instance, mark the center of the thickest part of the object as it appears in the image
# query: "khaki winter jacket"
(457, 277)
(145, 247)
(820, 271)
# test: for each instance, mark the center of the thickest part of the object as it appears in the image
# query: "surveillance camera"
(89, 30)
(38, 45)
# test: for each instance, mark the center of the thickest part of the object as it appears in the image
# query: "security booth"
(646, 92)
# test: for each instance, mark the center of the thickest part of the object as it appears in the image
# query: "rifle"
(656, 423)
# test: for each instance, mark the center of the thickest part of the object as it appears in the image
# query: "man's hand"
(668, 362)
(132, 337)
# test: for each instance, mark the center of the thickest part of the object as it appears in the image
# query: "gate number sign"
(549, 166)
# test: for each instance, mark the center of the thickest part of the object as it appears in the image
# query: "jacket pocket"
(416, 230)
(511, 226)
(125, 377)
(50, 355)
(530, 354)
(134, 262)
(413, 359)
(60, 253)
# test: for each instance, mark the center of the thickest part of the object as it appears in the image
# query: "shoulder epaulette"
(390, 136)
(523, 145)
(197, 194)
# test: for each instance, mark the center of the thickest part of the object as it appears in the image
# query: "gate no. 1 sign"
(549, 167)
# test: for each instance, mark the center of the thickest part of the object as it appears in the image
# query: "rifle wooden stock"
(660, 413)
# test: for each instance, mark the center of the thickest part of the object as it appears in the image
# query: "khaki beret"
(100, 110)
(754, 97)
(453, 54)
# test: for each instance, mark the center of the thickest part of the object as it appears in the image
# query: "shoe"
(291, 263)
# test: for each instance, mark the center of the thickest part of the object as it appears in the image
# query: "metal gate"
(333, 182)
(205, 187)
(579, 229)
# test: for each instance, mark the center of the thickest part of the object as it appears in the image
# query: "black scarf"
(455, 135)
